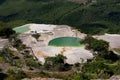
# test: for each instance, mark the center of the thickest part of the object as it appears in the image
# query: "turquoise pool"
(66, 41)
(21, 29)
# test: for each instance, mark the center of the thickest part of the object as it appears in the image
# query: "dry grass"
(50, 74)
(117, 50)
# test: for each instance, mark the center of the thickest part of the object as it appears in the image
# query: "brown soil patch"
(64, 49)
(41, 54)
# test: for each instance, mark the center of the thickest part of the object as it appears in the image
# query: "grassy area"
(117, 50)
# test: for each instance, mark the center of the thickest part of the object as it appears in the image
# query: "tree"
(88, 40)
(6, 54)
(55, 63)
(6, 32)
(99, 45)
(109, 55)
(36, 36)
(20, 74)
(59, 59)
(31, 63)
(78, 77)
(17, 43)
(96, 45)
(82, 77)
(10, 71)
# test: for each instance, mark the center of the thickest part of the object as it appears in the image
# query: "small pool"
(21, 29)
(66, 41)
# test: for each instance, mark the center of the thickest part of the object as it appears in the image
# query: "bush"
(10, 71)
(31, 63)
(6, 32)
(56, 63)
(96, 45)
(36, 36)
(99, 45)
(43, 74)
(1, 59)
(109, 55)
(6, 54)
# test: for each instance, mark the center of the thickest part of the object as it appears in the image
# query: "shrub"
(10, 71)
(36, 36)
(56, 63)
(31, 63)
(6, 32)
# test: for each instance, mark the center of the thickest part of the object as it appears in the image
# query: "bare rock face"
(41, 79)
(3, 43)
(115, 77)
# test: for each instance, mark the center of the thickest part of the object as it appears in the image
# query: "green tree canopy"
(56, 63)
(96, 45)
(6, 32)
(99, 45)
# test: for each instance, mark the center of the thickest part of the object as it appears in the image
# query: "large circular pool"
(66, 41)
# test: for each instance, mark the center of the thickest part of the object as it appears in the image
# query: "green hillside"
(94, 17)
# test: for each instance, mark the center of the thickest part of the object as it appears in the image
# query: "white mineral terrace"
(48, 32)
(113, 39)
(41, 28)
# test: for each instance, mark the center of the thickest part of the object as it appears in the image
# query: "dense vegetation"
(92, 18)
(56, 63)
(5, 30)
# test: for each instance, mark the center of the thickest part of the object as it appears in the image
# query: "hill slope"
(94, 17)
